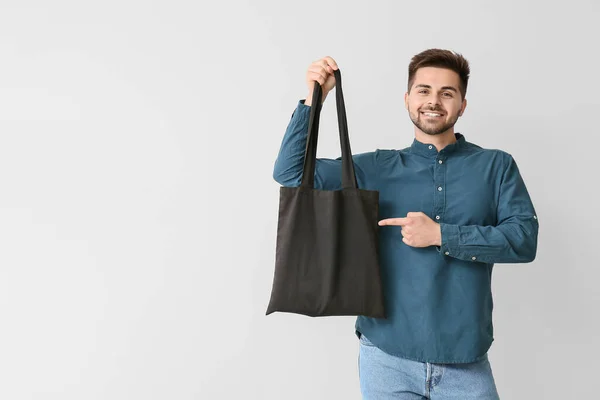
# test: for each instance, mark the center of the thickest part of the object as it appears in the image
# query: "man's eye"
(423, 91)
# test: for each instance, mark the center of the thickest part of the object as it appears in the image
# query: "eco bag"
(327, 259)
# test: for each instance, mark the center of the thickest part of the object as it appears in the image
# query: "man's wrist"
(438, 235)
(308, 100)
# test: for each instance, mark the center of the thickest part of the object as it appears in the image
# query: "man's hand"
(418, 230)
(320, 71)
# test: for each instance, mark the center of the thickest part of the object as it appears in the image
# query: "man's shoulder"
(389, 153)
(376, 154)
(486, 151)
(497, 159)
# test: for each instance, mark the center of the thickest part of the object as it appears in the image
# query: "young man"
(450, 210)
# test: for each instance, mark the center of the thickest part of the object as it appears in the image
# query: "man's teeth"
(433, 115)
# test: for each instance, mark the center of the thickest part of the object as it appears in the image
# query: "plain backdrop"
(138, 212)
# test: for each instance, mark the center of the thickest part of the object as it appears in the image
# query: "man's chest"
(464, 193)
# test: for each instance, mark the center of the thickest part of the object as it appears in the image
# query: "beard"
(432, 127)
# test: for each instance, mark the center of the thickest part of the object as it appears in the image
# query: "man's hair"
(441, 59)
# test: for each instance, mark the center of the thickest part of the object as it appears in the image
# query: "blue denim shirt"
(438, 299)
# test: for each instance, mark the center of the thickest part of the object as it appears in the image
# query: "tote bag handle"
(310, 157)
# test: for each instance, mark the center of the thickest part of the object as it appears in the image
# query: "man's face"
(434, 102)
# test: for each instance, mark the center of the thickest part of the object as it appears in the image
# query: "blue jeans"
(386, 377)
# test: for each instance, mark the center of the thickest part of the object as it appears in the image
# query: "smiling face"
(434, 101)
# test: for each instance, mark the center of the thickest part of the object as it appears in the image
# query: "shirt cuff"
(450, 235)
(302, 110)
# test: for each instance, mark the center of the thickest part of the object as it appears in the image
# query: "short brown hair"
(441, 59)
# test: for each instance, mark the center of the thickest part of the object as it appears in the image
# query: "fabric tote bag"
(327, 259)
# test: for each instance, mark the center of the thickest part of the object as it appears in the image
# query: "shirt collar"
(429, 150)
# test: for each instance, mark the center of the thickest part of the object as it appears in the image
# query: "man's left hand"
(418, 230)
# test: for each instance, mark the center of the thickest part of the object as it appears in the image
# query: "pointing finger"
(393, 221)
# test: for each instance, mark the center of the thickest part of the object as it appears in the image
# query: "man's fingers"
(331, 62)
(319, 70)
(326, 66)
(393, 221)
(414, 214)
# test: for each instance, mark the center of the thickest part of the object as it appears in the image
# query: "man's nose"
(433, 100)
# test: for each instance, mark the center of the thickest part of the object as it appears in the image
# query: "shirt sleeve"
(512, 240)
(289, 164)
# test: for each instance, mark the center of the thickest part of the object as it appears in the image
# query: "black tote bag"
(327, 259)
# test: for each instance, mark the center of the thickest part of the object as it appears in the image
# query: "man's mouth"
(431, 114)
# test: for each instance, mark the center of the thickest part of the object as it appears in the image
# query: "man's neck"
(439, 141)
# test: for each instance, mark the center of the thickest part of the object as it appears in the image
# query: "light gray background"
(138, 212)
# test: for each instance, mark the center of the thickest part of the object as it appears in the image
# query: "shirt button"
(473, 258)
(437, 217)
(439, 189)
(534, 217)
(447, 253)
(441, 162)
(430, 147)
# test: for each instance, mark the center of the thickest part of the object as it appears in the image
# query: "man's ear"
(462, 108)
(406, 100)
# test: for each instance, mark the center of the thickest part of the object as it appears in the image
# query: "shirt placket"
(439, 178)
